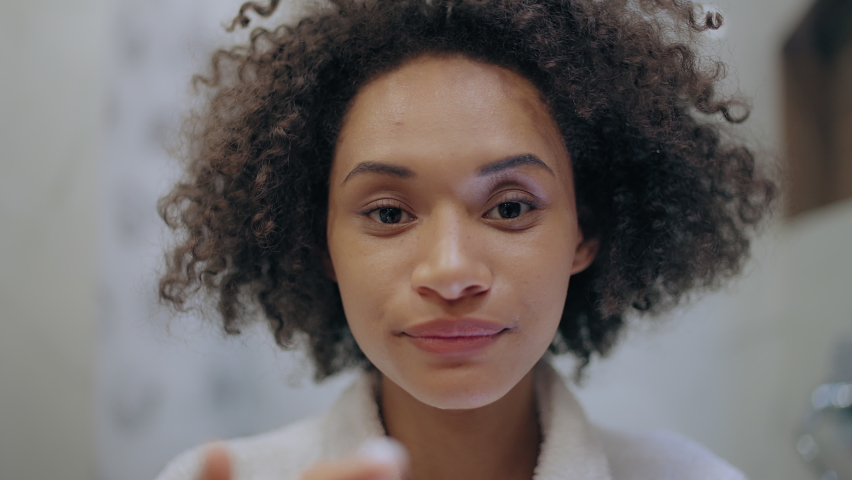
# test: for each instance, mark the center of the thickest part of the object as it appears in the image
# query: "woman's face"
(451, 199)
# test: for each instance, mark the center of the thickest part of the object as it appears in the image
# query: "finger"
(380, 458)
(352, 469)
(386, 450)
(217, 463)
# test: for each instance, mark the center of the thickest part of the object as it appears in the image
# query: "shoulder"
(279, 455)
(660, 455)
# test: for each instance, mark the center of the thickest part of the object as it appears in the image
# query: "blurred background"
(97, 382)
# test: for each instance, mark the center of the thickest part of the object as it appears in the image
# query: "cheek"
(360, 303)
(352, 272)
(368, 277)
(541, 275)
(545, 257)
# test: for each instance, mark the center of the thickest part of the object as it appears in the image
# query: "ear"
(584, 254)
(328, 267)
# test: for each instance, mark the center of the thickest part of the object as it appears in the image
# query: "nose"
(450, 265)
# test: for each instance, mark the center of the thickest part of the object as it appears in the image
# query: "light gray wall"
(722, 370)
(50, 131)
(166, 384)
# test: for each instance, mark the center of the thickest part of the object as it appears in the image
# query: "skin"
(429, 144)
(441, 121)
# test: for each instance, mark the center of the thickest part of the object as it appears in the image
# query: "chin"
(455, 390)
(463, 399)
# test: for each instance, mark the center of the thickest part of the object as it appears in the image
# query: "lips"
(461, 328)
(454, 338)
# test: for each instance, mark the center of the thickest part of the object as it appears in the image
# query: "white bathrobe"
(572, 448)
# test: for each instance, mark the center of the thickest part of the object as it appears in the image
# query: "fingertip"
(217, 462)
(387, 453)
(354, 467)
(384, 450)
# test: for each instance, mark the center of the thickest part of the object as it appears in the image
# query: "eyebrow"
(512, 162)
(405, 173)
(381, 168)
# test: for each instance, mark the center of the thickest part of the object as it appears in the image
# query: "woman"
(409, 187)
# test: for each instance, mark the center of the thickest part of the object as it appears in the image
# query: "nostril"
(450, 275)
(475, 290)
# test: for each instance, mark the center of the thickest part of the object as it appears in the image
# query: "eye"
(509, 210)
(389, 215)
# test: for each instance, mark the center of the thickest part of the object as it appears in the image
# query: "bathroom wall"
(166, 382)
(51, 84)
(99, 382)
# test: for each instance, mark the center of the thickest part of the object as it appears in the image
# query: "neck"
(498, 441)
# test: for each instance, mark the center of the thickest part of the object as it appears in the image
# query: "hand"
(216, 464)
(378, 459)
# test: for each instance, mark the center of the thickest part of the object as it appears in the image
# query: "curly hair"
(670, 196)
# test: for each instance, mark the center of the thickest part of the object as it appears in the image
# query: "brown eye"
(390, 215)
(508, 210)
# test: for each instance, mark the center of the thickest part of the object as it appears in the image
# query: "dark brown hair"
(670, 197)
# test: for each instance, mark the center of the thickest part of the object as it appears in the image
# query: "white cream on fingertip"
(384, 450)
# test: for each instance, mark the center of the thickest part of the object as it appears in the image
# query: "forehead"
(447, 106)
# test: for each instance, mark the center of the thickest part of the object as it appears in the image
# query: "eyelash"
(383, 204)
(511, 199)
(518, 199)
